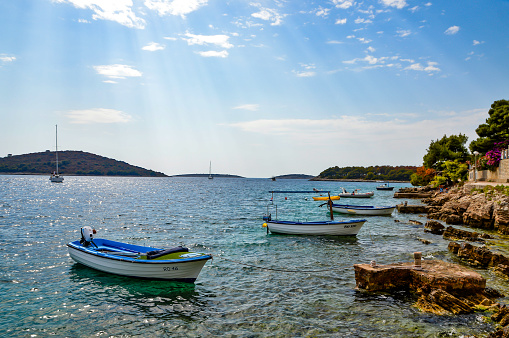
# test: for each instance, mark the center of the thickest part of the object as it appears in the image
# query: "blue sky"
(259, 88)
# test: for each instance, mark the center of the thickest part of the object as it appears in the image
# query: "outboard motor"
(87, 236)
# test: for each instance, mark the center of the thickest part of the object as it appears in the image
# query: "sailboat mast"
(56, 144)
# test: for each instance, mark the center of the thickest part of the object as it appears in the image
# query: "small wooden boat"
(325, 198)
(363, 209)
(384, 186)
(332, 228)
(356, 194)
(136, 261)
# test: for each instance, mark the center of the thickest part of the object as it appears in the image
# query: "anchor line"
(273, 269)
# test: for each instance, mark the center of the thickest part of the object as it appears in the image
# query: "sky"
(257, 88)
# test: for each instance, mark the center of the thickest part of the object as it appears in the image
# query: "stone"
(412, 209)
(443, 287)
(458, 234)
(434, 227)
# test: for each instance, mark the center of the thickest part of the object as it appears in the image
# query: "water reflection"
(162, 299)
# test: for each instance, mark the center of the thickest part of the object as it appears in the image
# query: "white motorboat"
(332, 228)
(356, 194)
(363, 209)
(136, 261)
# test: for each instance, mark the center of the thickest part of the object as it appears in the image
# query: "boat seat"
(158, 253)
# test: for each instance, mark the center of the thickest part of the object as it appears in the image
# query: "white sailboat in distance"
(56, 177)
(210, 171)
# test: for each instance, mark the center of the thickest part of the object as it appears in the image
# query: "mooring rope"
(274, 269)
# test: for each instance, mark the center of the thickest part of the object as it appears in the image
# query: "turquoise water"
(242, 292)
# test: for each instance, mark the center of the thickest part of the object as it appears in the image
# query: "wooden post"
(330, 208)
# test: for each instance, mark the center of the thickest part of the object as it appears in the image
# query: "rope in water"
(273, 269)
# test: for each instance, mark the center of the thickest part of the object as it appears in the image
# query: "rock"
(501, 217)
(412, 209)
(425, 241)
(434, 227)
(414, 222)
(443, 287)
(457, 234)
(479, 213)
(478, 256)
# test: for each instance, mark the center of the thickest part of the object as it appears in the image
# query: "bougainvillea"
(494, 155)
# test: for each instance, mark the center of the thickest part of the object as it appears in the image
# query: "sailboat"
(56, 177)
(210, 171)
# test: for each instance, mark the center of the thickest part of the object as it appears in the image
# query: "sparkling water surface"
(258, 284)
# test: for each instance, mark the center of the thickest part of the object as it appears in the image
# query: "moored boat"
(363, 209)
(356, 194)
(384, 186)
(331, 228)
(136, 261)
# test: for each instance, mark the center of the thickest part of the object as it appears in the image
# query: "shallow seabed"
(258, 284)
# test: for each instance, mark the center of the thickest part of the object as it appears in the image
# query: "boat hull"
(56, 179)
(384, 188)
(325, 198)
(357, 195)
(184, 269)
(363, 210)
(331, 228)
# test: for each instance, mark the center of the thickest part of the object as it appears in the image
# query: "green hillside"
(71, 163)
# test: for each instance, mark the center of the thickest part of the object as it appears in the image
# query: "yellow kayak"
(325, 198)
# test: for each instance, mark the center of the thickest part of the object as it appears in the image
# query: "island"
(71, 163)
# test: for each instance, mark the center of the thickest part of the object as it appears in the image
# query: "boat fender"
(158, 253)
(87, 236)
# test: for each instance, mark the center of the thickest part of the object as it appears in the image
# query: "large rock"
(458, 234)
(443, 287)
(434, 227)
(479, 212)
(480, 256)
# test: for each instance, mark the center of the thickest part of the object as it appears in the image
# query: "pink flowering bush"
(492, 158)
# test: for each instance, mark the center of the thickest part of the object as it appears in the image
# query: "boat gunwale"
(76, 246)
(317, 222)
(362, 207)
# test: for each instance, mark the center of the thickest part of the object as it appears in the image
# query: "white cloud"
(323, 12)
(251, 107)
(97, 115)
(119, 11)
(334, 42)
(452, 30)
(213, 53)
(343, 4)
(5, 58)
(153, 46)
(340, 21)
(218, 40)
(361, 20)
(403, 33)
(304, 73)
(360, 132)
(371, 49)
(430, 68)
(117, 71)
(175, 7)
(399, 4)
(475, 43)
(267, 14)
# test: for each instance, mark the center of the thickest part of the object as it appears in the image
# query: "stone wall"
(501, 175)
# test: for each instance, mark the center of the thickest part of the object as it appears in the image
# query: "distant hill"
(71, 162)
(207, 175)
(295, 176)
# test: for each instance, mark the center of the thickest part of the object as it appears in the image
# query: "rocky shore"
(486, 211)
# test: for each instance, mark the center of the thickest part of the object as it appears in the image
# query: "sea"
(257, 285)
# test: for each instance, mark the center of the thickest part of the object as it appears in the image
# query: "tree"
(496, 128)
(446, 149)
(423, 176)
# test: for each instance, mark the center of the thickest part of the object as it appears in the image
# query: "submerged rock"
(434, 227)
(444, 288)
